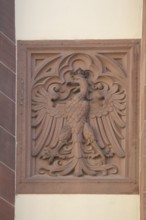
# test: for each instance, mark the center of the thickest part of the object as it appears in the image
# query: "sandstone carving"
(78, 114)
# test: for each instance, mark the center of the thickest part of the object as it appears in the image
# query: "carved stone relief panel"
(77, 116)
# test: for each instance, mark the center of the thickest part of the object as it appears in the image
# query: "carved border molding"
(77, 111)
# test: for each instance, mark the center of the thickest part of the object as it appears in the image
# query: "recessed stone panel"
(77, 116)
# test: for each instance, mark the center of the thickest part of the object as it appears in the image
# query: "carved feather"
(102, 130)
(112, 138)
(94, 125)
(106, 117)
(51, 132)
(45, 120)
(115, 128)
(58, 128)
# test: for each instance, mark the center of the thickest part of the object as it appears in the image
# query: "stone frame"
(28, 183)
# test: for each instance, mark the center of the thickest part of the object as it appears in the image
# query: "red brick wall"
(7, 109)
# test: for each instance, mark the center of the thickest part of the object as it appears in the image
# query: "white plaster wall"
(77, 207)
(78, 19)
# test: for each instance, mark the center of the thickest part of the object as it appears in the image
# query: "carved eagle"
(78, 121)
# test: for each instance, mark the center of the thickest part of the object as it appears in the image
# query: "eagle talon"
(54, 155)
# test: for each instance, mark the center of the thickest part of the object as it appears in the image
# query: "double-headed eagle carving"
(78, 114)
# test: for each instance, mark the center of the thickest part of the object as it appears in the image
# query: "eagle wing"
(107, 117)
(47, 120)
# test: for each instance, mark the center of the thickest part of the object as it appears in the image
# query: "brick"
(7, 114)
(7, 148)
(7, 18)
(6, 211)
(7, 52)
(7, 81)
(7, 183)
